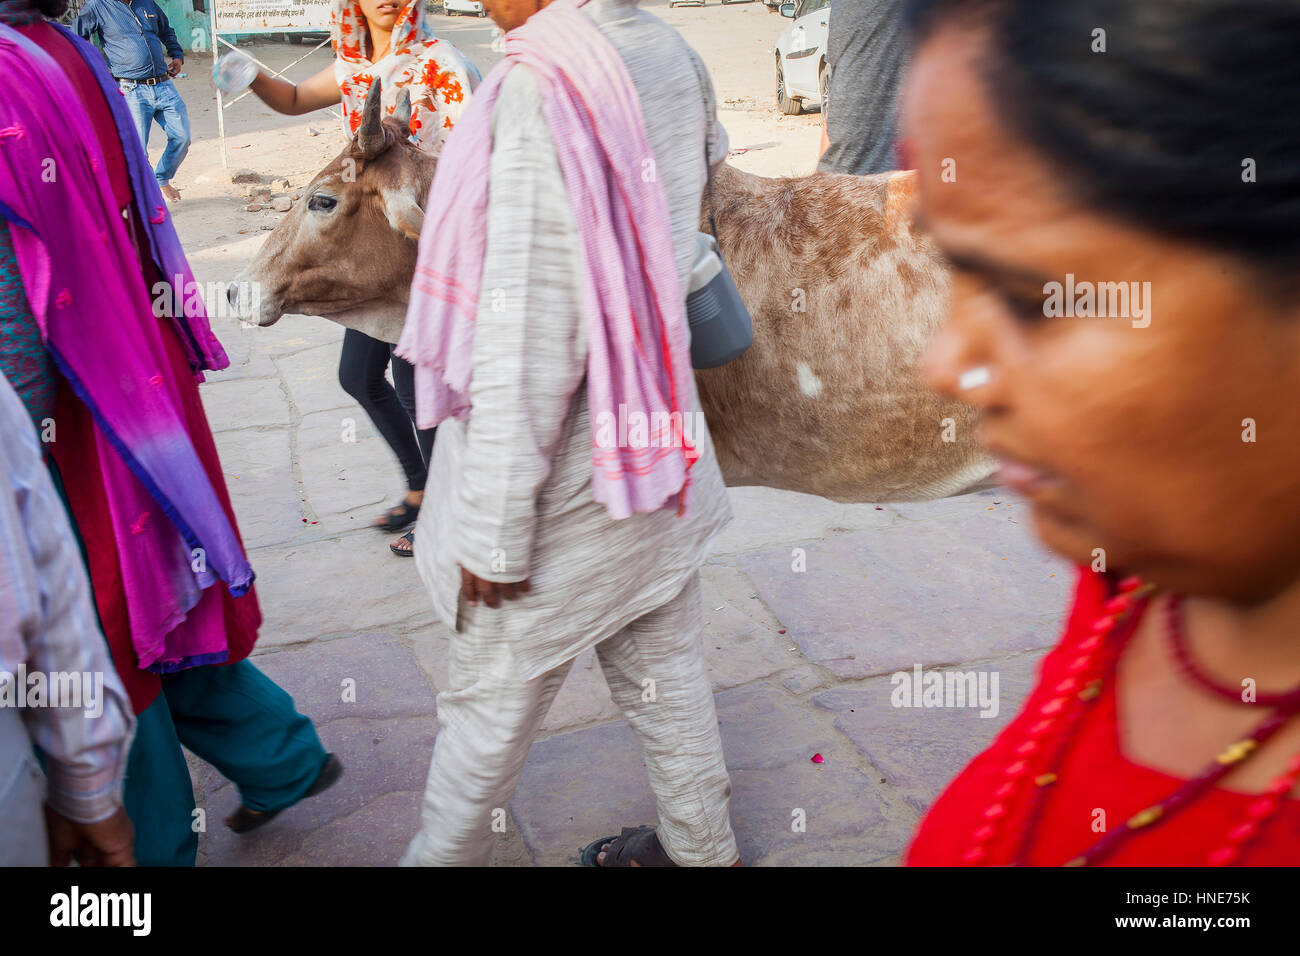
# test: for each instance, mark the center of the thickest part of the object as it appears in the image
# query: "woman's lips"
(1021, 477)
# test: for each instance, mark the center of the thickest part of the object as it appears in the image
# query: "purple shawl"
(638, 345)
(82, 278)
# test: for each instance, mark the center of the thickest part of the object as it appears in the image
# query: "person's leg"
(240, 721)
(656, 675)
(140, 103)
(158, 794)
(174, 118)
(485, 729)
(404, 382)
(362, 364)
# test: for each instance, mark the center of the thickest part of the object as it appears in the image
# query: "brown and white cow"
(844, 293)
(347, 250)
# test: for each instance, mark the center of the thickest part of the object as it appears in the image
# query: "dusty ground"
(825, 770)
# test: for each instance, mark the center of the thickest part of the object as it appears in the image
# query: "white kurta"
(509, 493)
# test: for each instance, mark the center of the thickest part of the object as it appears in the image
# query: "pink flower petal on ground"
(818, 758)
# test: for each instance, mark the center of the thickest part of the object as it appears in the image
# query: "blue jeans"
(162, 103)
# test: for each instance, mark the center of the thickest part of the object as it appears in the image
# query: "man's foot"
(636, 846)
(171, 192)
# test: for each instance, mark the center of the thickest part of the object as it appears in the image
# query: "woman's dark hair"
(1188, 123)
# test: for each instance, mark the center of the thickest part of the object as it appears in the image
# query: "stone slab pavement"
(811, 607)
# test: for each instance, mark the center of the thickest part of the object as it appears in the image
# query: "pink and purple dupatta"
(638, 342)
(83, 281)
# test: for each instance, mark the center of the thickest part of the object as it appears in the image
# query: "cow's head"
(346, 251)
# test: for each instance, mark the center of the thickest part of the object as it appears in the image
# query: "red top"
(1094, 774)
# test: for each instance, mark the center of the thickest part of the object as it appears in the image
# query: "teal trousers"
(237, 719)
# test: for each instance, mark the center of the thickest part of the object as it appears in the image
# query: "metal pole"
(221, 115)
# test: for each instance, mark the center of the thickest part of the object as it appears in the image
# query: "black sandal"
(395, 519)
(634, 843)
(243, 819)
(404, 552)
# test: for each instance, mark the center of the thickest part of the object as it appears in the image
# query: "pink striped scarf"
(638, 343)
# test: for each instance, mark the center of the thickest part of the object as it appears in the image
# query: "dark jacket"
(132, 35)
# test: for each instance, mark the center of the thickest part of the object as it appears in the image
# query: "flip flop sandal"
(243, 819)
(395, 519)
(634, 843)
(409, 538)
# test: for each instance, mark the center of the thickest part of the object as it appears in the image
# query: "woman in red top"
(1124, 230)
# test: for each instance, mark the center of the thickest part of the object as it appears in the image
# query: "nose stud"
(973, 378)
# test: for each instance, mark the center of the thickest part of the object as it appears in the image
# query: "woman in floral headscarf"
(433, 70)
(386, 40)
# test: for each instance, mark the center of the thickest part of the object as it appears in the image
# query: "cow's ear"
(404, 213)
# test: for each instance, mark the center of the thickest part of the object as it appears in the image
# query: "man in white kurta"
(510, 494)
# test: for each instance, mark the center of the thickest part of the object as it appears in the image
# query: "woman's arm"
(315, 93)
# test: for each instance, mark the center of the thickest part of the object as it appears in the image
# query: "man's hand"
(474, 589)
(106, 843)
(175, 66)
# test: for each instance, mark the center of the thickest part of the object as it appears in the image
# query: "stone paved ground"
(800, 660)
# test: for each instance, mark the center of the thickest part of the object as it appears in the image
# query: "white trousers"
(488, 719)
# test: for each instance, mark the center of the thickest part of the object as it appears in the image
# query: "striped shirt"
(54, 662)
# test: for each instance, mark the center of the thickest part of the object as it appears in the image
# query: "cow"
(844, 292)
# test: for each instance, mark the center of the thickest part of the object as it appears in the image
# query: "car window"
(806, 7)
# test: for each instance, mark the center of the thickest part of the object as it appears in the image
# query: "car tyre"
(823, 84)
(786, 104)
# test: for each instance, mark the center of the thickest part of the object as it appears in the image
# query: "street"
(812, 606)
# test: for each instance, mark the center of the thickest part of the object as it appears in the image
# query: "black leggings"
(361, 373)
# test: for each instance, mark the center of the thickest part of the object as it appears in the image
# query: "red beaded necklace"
(1095, 662)
(1288, 700)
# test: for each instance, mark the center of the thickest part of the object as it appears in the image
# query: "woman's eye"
(322, 203)
(1023, 308)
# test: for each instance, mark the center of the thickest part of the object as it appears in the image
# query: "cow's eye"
(322, 203)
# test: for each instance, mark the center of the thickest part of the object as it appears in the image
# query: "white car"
(801, 71)
(472, 7)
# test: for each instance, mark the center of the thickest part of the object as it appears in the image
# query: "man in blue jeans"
(143, 55)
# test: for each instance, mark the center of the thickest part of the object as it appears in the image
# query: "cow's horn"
(370, 135)
(403, 112)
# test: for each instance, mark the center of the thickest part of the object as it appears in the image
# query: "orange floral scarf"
(438, 75)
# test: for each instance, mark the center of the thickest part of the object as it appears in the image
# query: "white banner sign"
(258, 16)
